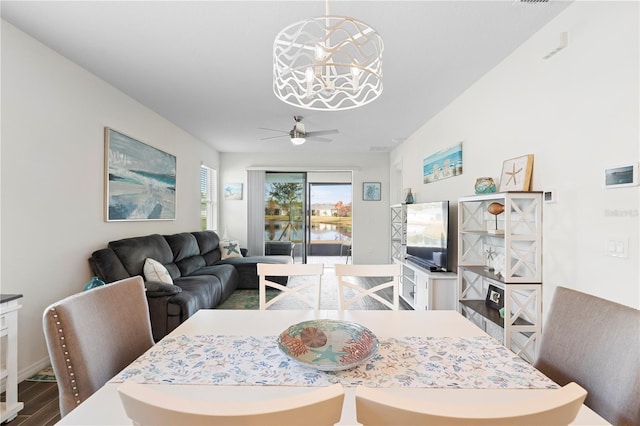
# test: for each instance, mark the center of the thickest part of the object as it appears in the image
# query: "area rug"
(44, 375)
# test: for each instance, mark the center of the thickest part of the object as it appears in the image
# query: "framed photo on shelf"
(495, 296)
(371, 191)
(516, 174)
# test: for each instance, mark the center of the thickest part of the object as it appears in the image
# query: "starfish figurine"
(327, 354)
(512, 174)
(491, 253)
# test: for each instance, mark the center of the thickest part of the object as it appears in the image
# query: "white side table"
(9, 306)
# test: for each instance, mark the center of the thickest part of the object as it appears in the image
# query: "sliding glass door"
(330, 218)
(285, 212)
(312, 211)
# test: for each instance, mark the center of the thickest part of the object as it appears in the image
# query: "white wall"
(370, 218)
(577, 112)
(53, 116)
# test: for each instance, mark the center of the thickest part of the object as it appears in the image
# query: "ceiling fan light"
(298, 141)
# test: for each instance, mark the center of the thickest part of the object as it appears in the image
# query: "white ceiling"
(207, 66)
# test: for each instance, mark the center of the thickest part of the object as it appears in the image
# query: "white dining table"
(104, 406)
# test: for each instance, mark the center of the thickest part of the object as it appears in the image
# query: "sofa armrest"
(160, 289)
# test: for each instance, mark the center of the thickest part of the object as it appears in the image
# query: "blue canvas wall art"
(443, 164)
(140, 181)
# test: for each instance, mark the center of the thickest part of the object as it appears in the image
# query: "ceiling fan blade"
(318, 139)
(274, 130)
(273, 137)
(322, 133)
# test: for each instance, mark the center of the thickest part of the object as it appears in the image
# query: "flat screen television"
(428, 235)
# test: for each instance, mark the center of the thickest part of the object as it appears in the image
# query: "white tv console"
(426, 290)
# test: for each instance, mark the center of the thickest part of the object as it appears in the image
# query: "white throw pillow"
(155, 271)
(230, 249)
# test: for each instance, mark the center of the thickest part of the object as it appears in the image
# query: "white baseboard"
(27, 372)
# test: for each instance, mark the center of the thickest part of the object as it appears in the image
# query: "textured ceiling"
(207, 67)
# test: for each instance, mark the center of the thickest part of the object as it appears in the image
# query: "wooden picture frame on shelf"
(495, 297)
(516, 174)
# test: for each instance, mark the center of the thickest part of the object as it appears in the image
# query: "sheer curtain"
(255, 213)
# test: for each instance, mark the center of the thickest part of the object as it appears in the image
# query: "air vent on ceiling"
(534, 1)
(380, 149)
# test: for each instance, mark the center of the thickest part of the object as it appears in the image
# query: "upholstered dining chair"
(93, 335)
(346, 273)
(148, 406)
(300, 292)
(557, 407)
(595, 343)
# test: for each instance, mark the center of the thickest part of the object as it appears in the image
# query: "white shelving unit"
(398, 231)
(504, 251)
(9, 306)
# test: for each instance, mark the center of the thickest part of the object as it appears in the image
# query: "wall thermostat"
(550, 196)
(621, 176)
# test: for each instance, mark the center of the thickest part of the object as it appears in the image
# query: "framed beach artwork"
(516, 173)
(233, 191)
(443, 164)
(140, 181)
(371, 191)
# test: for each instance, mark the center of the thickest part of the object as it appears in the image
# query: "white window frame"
(209, 197)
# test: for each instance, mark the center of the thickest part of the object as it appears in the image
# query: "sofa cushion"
(208, 241)
(133, 252)
(248, 269)
(198, 292)
(155, 271)
(228, 276)
(229, 249)
(107, 266)
(186, 252)
(159, 289)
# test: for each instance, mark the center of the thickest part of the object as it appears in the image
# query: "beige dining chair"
(148, 406)
(93, 335)
(347, 273)
(596, 343)
(308, 292)
(554, 407)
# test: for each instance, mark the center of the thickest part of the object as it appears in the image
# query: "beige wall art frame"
(516, 174)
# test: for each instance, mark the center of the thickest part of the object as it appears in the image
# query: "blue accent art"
(141, 180)
(443, 164)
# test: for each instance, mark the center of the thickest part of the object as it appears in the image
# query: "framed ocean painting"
(140, 181)
(443, 164)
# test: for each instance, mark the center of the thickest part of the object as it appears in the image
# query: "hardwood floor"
(40, 404)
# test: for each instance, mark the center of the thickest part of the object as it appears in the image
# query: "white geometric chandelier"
(327, 63)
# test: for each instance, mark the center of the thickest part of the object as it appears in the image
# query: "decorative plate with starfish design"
(328, 345)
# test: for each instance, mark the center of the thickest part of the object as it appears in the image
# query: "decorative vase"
(409, 199)
(485, 185)
(95, 282)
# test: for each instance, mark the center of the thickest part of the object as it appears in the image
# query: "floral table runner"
(427, 362)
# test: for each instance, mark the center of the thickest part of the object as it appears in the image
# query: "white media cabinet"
(425, 290)
(419, 287)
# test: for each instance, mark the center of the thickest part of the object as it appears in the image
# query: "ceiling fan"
(299, 135)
